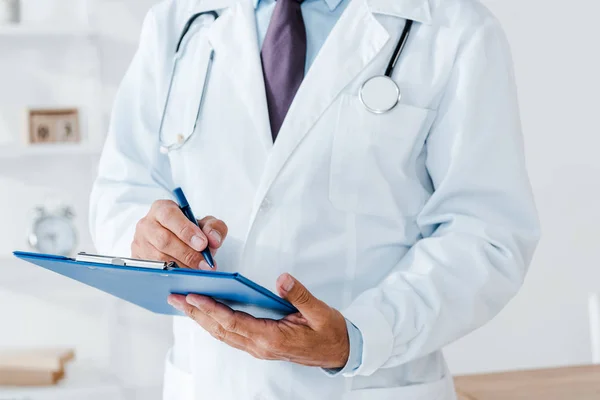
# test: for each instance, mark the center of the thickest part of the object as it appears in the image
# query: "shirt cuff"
(355, 356)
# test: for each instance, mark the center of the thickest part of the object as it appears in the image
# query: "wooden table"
(569, 383)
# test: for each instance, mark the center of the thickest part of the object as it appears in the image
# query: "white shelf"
(12, 151)
(81, 382)
(36, 30)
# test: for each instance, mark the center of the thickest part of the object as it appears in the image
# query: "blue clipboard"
(149, 288)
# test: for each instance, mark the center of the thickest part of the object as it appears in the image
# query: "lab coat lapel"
(234, 39)
(355, 40)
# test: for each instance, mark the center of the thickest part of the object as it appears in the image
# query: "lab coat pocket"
(185, 94)
(439, 390)
(373, 161)
(178, 383)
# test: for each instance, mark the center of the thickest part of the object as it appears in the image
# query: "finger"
(238, 342)
(144, 250)
(180, 303)
(177, 301)
(258, 346)
(215, 329)
(314, 310)
(232, 321)
(166, 242)
(168, 214)
(234, 340)
(215, 230)
(209, 324)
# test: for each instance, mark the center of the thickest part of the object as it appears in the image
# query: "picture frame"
(49, 126)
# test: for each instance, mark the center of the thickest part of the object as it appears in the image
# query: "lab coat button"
(266, 205)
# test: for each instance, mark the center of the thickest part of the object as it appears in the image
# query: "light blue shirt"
(320, 16)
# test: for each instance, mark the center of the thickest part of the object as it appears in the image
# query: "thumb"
(311, 308)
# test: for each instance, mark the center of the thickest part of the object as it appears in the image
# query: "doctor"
(394, 228)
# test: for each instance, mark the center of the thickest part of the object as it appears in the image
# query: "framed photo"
(53, 126)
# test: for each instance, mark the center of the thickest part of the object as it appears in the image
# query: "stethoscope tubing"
(380, 93)
(164, 148)
(189, 24)
(399, 48)
(388, 72)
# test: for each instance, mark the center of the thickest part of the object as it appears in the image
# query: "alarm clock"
(53, 232)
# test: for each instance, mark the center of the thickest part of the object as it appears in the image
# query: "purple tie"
(283, 57)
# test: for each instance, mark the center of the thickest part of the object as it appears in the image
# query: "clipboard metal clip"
(125, 262)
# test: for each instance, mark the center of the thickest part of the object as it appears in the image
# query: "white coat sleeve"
(132, 172)
(480, 226)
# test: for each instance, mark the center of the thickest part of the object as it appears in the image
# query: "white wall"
(38, 308)
(557, 64)
(557, 57)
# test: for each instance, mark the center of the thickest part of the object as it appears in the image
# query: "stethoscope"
(204, 18)
(378, 94)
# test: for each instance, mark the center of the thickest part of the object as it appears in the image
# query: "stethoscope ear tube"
(189, 24)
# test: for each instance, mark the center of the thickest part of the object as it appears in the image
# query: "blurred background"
(60, 67)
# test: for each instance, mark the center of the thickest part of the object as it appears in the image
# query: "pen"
(187, 211)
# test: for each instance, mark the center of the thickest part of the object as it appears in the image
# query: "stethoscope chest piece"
(379, 94)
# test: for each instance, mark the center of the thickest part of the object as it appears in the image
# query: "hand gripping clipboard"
(148, 284)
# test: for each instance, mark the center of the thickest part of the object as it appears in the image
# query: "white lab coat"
(417, 224)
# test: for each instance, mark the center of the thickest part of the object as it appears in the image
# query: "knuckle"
(259, 353)
(263, 342)
(208, 220)
(165, 203)
(158, 205)
(165, 211)
(140, 225)
(191, 259)
(191, 312)
(218, 332)
(231, 325)
(158, 256)
(303, 297)
(254, 353)
(264, 354)
(208, 311)
(163, 239)
(186, 231)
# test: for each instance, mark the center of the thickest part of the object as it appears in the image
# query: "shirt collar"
(332, 4)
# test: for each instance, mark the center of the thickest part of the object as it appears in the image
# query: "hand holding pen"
(167, 234)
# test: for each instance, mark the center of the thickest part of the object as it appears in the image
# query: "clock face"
(54, 235)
